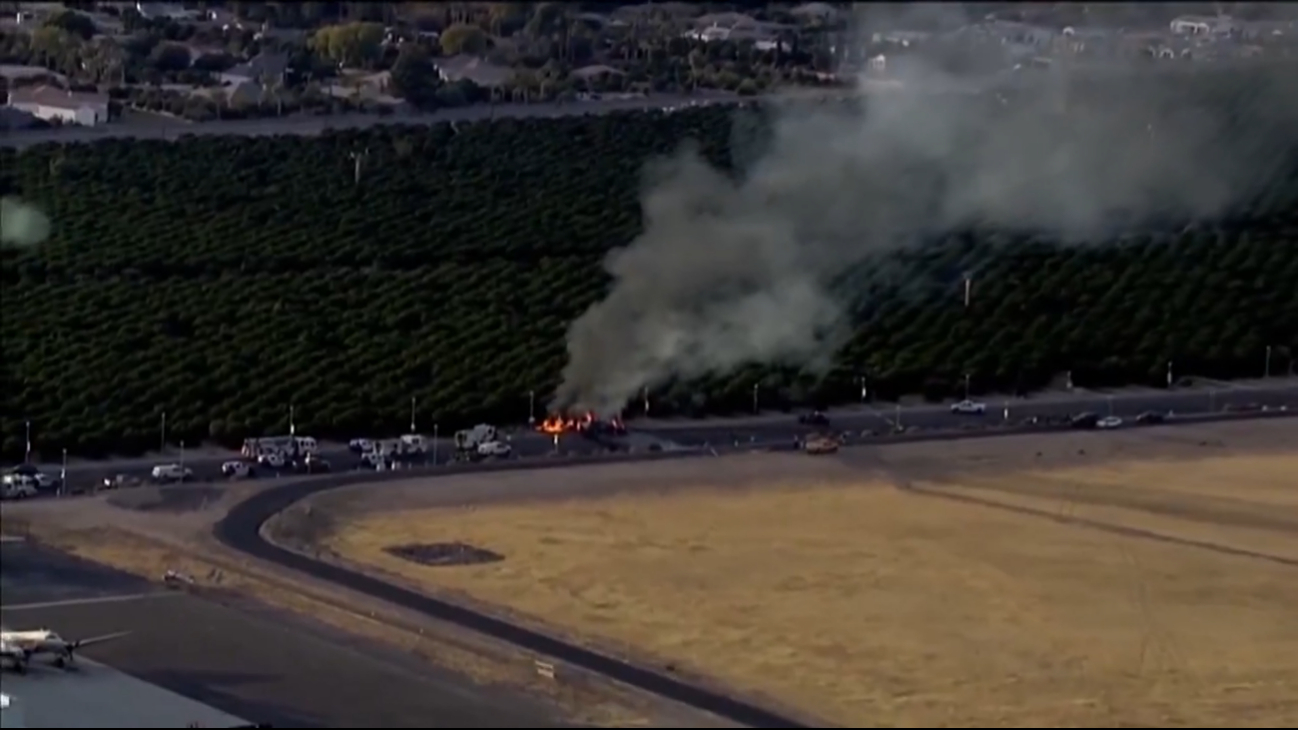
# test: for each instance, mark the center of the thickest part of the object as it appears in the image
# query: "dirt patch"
(444, 554)
(822, 584)
(170, 500)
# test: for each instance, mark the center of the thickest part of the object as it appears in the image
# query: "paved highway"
(781, 429)
(1050, 406)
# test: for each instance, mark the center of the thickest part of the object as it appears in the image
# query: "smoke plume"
(738, 269)
(22, 224)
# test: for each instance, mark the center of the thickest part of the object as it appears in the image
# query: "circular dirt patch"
(444, 554)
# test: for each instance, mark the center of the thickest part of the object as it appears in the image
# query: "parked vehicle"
(118, 481)
(969, 408)
(236, 470)
(494, 448)
(17, 486)
(166, 473)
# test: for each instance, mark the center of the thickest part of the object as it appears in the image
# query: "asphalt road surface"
(778, 429)
(257, 667)
(883, 418)
(305, 125)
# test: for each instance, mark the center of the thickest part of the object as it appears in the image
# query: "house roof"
(263, 65)
(823, 10)
(477, 70)
(595, 70)
(51, 96)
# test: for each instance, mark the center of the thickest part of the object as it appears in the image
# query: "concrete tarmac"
(243, 662)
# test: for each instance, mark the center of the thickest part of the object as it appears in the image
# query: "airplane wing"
(82, 643)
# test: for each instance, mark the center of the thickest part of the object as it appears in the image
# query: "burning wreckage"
(600, 430)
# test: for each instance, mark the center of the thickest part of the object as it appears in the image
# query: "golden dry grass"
(873, 606)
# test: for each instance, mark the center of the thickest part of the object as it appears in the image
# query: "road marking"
(87, 601)
(12, 538)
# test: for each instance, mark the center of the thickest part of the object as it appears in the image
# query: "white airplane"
(18, 648)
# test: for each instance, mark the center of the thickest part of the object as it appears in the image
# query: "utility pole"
(63, 473)
(27, 451)
(1266, 371)
(292, 426)
(412, 414)
(531, 407)
(1169, 373)
(436, 430)
(756, 387)
(162, 433)
(358, 162)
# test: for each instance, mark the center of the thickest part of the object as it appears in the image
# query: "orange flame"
(562, 424)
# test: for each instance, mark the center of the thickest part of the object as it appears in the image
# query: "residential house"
(738, 27)
(54, 104)
(30, 73)
(257, 69)
(480, 71)
(595, 71)
(1202, 25)
(823, 12)
(164, 11)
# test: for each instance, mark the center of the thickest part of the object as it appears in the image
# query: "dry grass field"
(1095, 580)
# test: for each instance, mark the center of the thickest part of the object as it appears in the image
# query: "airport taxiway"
(239, 661)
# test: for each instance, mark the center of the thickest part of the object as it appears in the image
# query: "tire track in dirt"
(1196, 508)
(1099, 525)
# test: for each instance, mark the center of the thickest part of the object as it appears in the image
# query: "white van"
(171, 473)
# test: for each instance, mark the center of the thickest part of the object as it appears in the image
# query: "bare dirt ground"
(1141, 578)
(147, 532)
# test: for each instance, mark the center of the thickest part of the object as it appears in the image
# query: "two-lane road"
(310, 125)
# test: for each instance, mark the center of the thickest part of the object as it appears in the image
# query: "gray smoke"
(730, 272)
(22, 224)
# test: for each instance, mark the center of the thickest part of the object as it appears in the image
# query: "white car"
(236, 469)
(17, 486)
(969, 408)
(171, 473)
(361, 446)
(1109, 422)
(272, 459)
(494, 448)
(42, 480)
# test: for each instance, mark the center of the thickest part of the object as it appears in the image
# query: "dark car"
(815, 418)
(1151, 417)
(1085, 420)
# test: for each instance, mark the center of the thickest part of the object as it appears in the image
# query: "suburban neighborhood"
(106, 63)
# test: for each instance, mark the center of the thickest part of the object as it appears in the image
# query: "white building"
(54, 104)
(1201, 25)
